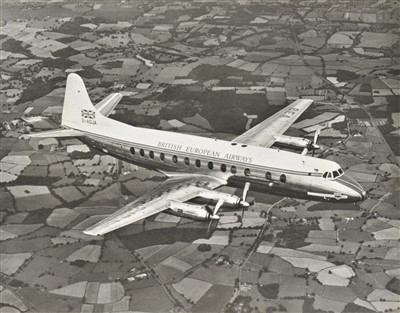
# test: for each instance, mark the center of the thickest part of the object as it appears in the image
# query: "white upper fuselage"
(221, 150)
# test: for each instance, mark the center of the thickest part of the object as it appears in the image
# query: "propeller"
(214, 217)
(312, 145)
(243, 202)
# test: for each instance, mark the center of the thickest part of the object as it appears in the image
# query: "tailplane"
(57, 133)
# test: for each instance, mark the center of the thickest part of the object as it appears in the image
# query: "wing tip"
(92, 232)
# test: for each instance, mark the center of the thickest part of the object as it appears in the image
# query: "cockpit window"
(335, 174)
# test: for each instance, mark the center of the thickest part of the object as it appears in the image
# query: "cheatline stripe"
(218, 160)
(359, 188)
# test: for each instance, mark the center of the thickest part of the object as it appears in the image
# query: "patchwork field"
(69, 193)
(89, 253)
(217, 275)
(61, 217)
(214, 299)
(10, 263)
(192, 289)
(16, 230)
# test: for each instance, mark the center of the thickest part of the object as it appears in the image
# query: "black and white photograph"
(200, 156)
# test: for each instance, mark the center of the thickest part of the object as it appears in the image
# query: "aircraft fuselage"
(235, 170)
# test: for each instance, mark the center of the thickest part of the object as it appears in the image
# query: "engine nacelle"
(191, 211)
(229, 200)
(290, 141)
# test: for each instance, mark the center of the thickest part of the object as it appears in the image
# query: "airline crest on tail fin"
(88, 116)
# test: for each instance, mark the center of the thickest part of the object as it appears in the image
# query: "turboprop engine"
(204, 213)
(228, 200)
(192, 211)
(298, 142)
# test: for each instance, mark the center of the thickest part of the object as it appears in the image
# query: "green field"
(152, 299)
(214, 299)
(10, 263)
(217, 274)
(192, 289)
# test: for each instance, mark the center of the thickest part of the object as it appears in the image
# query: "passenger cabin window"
(151, 155)
(187, 161)
(174, 159)
(141, 152)
(198, 163)
(233, 170)
(210, 165)
(268, 176)
(132, 150)
(162, 156)
(283, 178)
(223, 168)
(247, 172)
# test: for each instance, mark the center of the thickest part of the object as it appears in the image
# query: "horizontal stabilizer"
(58, 133)
(108, 104)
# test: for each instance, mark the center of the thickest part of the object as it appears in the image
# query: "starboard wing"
(178, 188)
(263, 133)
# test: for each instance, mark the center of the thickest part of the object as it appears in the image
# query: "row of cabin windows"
(210, 165)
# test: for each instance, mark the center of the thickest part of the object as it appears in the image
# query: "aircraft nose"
(355, 191)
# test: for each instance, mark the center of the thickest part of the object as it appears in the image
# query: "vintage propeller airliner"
(195, 166)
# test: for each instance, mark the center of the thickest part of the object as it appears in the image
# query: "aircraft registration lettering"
(289, 113)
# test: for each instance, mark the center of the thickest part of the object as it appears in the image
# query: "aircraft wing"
(177, 188)
(263, 133)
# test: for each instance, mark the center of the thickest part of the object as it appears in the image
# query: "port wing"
(264, 133)
(177, 188)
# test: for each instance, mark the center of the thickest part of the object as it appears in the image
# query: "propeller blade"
(245, 191)
(209, 228)
(305, 151)
(212, 221)
(316, 135)
(218, 206)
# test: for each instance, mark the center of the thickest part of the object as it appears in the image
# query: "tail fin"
(78, 111)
